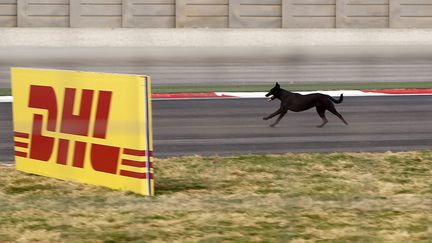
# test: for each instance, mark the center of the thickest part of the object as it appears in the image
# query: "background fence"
(217, 13)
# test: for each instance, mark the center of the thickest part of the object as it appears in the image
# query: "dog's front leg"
(273, 114)
(282, 114)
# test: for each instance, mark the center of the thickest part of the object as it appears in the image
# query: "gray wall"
(217, 13)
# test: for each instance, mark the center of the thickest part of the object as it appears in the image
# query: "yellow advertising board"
(93, 128)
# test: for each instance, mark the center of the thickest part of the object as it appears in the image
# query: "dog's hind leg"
(333, 110)
(321, 113)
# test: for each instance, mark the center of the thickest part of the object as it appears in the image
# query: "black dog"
(297, 102)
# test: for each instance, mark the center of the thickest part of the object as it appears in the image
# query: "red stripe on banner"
(139, 164)
(72, 123)
(137, 175)
(21, 135)
(399, 91)
(21, 144)
(136, 152)
(79, 153)
(21, 154)
(102, 113)
(62, 152)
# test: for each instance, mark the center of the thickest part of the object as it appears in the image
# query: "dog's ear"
(277, 85)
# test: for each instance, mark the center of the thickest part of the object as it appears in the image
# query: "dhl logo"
(39, 146)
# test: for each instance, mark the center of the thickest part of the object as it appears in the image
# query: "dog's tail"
(337, 101)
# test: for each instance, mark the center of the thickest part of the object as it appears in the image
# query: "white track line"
(253, 95)
(331, 93)
(334, 93)
(4, 99)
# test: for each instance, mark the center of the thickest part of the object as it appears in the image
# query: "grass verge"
(265, 87)
(5, 92)
(349, 197)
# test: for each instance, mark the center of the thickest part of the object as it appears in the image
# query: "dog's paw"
(272, 125)
(265, 118)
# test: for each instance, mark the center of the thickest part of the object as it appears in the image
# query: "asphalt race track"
(228, 66)
(235, 126)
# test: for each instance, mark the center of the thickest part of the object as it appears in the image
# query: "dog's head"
(274, 92)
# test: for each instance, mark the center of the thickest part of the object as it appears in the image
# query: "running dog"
(297, 102)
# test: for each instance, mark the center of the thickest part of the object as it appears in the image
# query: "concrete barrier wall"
(186, 56)
(8, 13)
(217, 13)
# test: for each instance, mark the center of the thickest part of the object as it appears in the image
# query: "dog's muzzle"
(270, 97)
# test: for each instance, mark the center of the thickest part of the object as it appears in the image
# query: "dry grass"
(358, 197)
